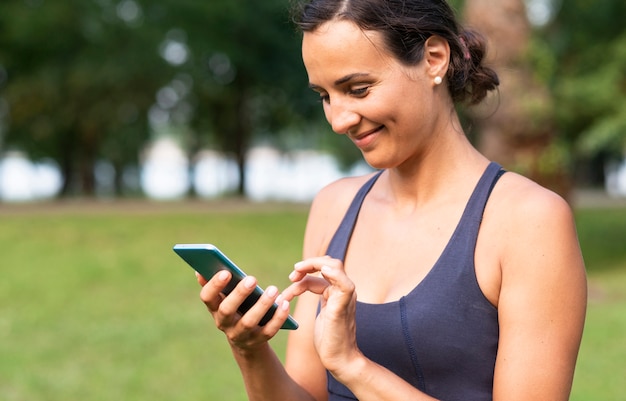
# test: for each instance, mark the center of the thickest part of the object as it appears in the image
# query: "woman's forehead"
(338, 44)
(341, 32)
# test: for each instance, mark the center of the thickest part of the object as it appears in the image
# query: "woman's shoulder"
(518, 196)
(525, 214)
(328, 209)
(342, 191)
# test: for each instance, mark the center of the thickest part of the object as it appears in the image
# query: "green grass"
(601, 365)
(94, 305)
(97, 306)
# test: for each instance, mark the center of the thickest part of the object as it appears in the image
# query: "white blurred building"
(616, 178)
(22, 180)
(214, 174)
(166, 173)
(295, 176)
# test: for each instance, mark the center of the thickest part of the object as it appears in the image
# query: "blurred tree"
(92, 79)
(517, 126)
(588, 78)
(77, 81)
(567, 84)
(82, 80)
(248, 77)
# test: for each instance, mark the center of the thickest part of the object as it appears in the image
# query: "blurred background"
(127, 126)
(173, 99)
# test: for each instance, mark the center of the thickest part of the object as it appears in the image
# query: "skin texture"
(528, 261)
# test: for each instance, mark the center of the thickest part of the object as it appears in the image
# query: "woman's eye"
(361, 91)
(357, 92)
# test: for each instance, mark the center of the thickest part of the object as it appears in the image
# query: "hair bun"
(469, 79)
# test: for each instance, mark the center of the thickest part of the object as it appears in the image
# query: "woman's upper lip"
(366, 133)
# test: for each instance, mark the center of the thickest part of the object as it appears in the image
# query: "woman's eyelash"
(359, 91)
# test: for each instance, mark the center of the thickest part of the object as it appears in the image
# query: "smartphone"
(207, 260)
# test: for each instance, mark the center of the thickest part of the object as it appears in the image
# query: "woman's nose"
(342, 118)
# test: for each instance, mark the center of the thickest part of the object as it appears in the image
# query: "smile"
(364, 139)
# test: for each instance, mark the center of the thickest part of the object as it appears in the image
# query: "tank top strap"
(338, 245)
(478, 200)
(463, 241)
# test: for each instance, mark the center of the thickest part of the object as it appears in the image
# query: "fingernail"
(298, 264)
(326, 269)
(223, 275)
(248, 282)
(284, 305)
(292, 276)
(271, 291)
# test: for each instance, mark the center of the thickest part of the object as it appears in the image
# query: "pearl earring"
(438, 80)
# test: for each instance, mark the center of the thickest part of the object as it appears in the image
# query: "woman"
(438, 277)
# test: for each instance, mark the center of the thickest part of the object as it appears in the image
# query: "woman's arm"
(542, 301)
(327, 210)
(263, 373)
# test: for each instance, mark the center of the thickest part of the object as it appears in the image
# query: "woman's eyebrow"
(350, 77)
(342, 80)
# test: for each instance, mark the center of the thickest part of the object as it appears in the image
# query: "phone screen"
(207, 260)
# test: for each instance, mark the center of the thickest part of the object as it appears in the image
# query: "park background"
(128, 126)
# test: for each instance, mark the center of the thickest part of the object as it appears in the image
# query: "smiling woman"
(332, 54)
(440, 276)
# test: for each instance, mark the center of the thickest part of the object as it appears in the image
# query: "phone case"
(207, 260)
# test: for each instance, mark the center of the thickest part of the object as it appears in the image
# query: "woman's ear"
(437, 56)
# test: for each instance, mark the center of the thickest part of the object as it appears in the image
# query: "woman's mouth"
(365, 139)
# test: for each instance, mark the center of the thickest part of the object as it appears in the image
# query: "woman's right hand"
(243, 331)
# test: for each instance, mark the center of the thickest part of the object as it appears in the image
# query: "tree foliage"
(579, 55)
(248, 76)
(76, 83)
(89, 80)
(93, 79)
(588, 44)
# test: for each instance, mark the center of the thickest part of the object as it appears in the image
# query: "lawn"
(601, 369)
(94, 305)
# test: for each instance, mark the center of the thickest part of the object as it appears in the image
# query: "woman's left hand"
(335, 326)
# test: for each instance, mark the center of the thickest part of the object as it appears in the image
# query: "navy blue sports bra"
(442, 337)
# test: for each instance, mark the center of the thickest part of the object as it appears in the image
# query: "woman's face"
(387, 109)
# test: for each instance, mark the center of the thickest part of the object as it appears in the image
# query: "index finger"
(314, 265)
(315, 285)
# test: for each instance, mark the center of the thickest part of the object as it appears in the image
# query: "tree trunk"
(242, 130)
(66, 152)
(516, 125)
(89, 149)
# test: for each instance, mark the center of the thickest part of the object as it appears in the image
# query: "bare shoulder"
(524, 203)
(327, 209)
(526, 232)
(534, 231)
(341, 191)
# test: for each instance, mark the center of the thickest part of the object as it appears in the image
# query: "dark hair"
(405, 26)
